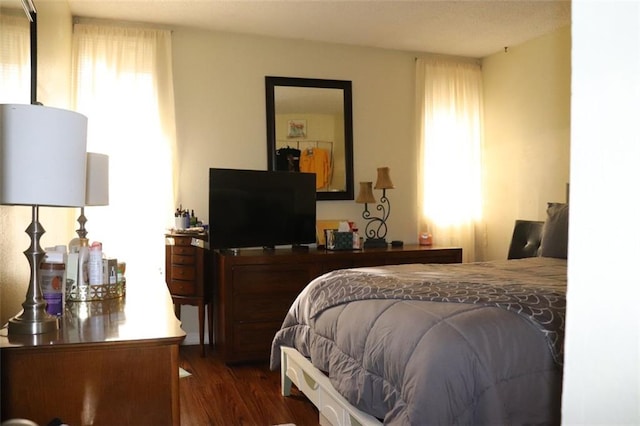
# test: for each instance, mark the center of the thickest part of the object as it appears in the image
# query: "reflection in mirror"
(309, 129)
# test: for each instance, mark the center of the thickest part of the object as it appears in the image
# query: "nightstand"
(187, 277)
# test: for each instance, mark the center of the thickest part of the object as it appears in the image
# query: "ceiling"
(463, 28)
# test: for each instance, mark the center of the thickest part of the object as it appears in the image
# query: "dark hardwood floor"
(246, 394)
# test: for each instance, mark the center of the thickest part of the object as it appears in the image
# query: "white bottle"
(95, 264)
(83, 266)
(76, 267)
(356, 240)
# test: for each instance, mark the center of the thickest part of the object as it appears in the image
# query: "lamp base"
(20, 325)
(375, 243)
(34, 318)
(82, 220)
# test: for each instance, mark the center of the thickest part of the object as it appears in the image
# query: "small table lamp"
(42, 163)
(376, 229)
(97, 193)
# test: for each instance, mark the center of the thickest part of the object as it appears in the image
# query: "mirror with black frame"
(310, 129)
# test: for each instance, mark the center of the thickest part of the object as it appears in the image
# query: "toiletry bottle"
(63, 249)
(113, 277)
(83, 262)
(95, 264)
(52, 281)
(356, 239)
(425, 239)
(122, 267)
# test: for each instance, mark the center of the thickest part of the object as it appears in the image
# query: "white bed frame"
(333, 408)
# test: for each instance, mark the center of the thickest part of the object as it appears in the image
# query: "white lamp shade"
(42, 156)
(97, 180)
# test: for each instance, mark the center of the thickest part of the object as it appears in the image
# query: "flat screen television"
(254, 208)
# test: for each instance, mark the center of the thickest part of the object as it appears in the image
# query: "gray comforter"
(421, 344)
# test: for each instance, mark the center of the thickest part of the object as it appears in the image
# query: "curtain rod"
(454, 58)
(29, 9)
(115, 22)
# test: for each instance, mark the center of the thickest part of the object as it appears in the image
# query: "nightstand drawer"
(182, 288)
(180, 272)
(177, 259)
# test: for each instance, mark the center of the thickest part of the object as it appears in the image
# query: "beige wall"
(527, 120)
(54, 76)
(220, 112)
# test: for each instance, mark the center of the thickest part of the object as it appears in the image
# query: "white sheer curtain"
(15, 69)
(15, 78)
(123, 83)
(449, 105)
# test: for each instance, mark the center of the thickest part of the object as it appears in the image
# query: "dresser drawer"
(182, 288)
(267, 308)
(269, 281)
(183, 250)
(251, 341)
(265, 292)
(181, 272)
(181, 241)
(177, 259)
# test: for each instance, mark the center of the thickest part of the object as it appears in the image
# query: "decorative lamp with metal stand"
(376, 229)
(42, 163)
(97, 193)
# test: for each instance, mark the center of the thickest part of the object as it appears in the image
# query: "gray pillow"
(555, 233)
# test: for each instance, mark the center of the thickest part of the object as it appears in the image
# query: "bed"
(475, 343)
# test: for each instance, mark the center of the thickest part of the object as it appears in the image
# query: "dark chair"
(525, 242)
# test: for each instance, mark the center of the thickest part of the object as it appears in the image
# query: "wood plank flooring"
(243, 395)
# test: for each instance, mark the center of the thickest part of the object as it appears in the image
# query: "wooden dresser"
(255, 288)
(187, 276)
(112, 362)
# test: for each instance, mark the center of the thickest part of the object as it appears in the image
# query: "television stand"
(268, 248)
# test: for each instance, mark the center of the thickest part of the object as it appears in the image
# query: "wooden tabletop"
(145, 313)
